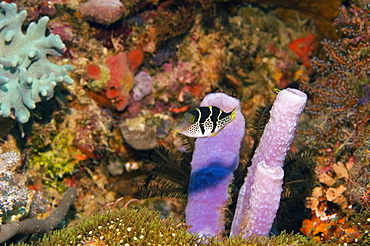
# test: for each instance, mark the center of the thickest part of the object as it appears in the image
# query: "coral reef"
(339, 123)
(143, 86)
(37, 8)
(303, 48)
(59, 149)
(172, 19)
(120, 80)
(259, 51)
(30, 226)
(139, 70)
(340, 94)
(26, 75)
(360, 174)
(144, 132)
(336, 96)
(17, 200)
(321, 11)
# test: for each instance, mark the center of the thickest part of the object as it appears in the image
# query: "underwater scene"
(162, 122)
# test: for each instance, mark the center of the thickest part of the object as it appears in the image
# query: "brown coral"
(336, 96)
(173, 18)
(323, 12)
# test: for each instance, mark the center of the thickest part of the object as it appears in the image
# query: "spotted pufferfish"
(204, 122)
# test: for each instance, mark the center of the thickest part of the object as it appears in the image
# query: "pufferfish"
(204, 122)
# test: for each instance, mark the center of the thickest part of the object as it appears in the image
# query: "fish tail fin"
(276, 89)
(233, 114)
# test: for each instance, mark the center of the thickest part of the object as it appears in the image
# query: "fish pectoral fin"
(177, 129)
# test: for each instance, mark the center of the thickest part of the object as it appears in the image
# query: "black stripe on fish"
(203, 115)
(197, 115)
(214, 117)
(224, 115)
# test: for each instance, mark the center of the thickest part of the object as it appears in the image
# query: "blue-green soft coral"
(26, 75)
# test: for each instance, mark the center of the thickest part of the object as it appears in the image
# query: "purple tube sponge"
(259, 196)
(213, 163)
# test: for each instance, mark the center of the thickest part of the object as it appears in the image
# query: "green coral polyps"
(123, 227)
(129, 227)
(26, 75)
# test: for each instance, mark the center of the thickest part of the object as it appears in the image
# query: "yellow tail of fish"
(233, 114)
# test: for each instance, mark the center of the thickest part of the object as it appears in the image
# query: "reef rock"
(102, 11)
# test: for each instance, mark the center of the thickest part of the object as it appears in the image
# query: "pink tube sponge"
(259, 196)
(214, 160)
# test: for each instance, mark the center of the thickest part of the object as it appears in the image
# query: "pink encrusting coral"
(259, 197)
(214, 160)
(303, 48)
(122, 77)
(114, 78)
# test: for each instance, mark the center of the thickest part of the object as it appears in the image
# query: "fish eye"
(193, 119)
